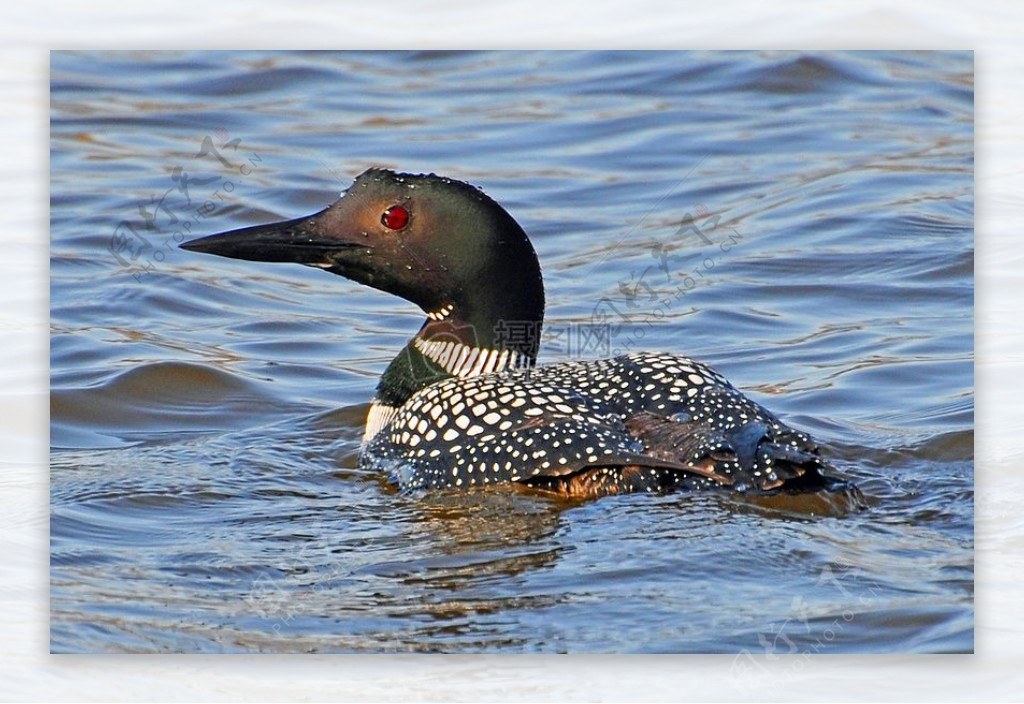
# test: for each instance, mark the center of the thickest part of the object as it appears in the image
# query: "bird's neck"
(455, 342)
(454, 345)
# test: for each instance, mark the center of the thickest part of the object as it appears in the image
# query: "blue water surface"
(801, 221)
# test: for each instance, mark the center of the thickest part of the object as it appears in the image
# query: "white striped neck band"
(462, 360)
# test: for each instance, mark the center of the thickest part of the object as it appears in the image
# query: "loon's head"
(439, 243)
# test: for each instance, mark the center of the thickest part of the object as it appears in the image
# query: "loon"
(463, 404)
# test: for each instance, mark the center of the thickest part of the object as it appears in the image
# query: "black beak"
(299, 241)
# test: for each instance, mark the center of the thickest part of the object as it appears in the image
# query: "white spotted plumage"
(553, 421)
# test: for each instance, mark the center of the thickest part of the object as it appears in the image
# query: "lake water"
(206, 414)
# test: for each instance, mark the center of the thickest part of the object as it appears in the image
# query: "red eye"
(395, 218)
